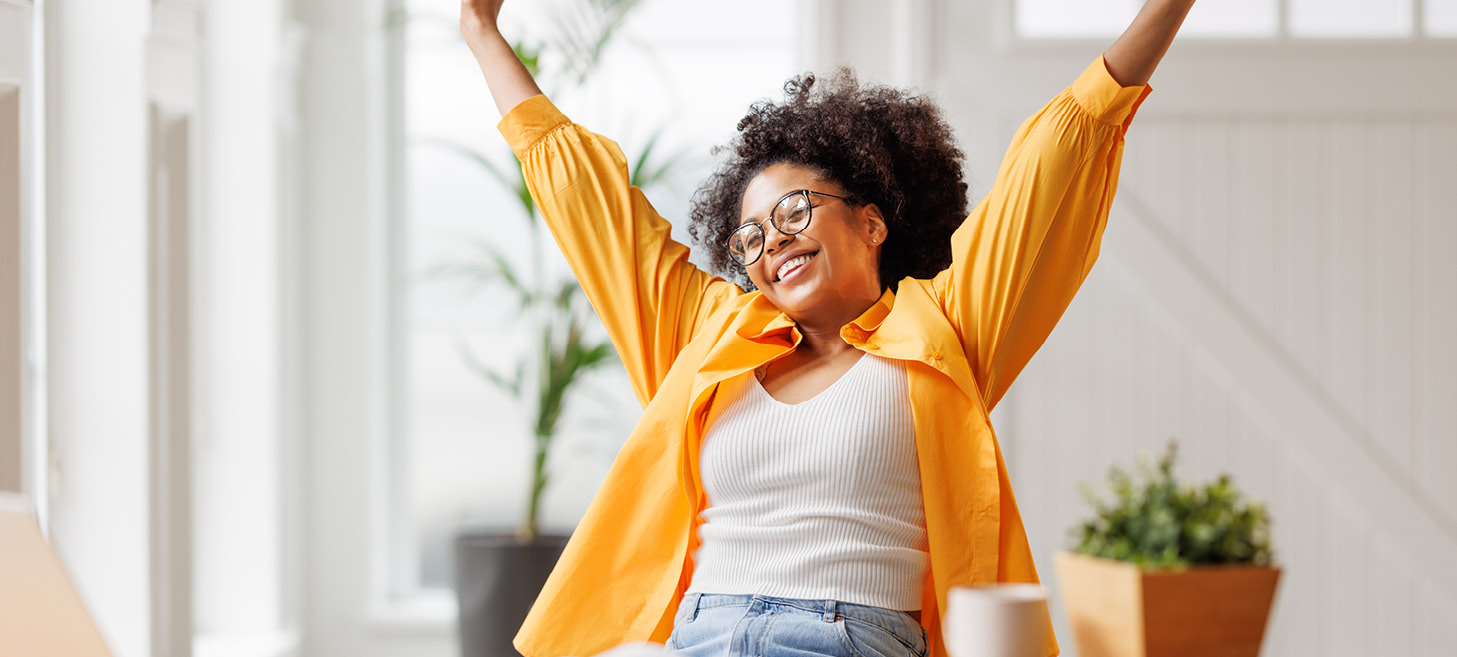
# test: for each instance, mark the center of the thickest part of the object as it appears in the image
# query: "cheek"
(756, 276)
(852, 253)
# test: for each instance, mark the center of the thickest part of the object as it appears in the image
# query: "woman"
(814, 467)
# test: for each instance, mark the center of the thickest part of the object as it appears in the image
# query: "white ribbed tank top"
(817, 500)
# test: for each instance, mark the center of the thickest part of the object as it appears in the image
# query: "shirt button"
(935, 355)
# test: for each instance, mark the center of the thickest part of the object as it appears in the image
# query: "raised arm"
(647, 294)
(507, 77)
(1133, 57)
(1021, 256)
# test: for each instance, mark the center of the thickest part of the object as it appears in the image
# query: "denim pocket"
(884, 637)
(711, 625)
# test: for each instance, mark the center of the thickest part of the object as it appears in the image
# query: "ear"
(873, 224)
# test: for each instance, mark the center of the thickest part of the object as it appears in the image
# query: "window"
(1260, 19)
(1439, 18)
(687, 69)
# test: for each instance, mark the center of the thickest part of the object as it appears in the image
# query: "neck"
(821, 341)
(821, 336)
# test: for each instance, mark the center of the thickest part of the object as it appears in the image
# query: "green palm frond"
(513, 179)
(647, 172)
(583, 32)
(590, 357)
(489, 268)
(511, 386)
(530, 57)
(475, 156)
(566, 293)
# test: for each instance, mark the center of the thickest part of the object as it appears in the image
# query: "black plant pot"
(496, 579)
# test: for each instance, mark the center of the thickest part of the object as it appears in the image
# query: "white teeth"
(791, 264)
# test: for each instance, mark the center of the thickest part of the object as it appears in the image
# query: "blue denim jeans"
(710, 625)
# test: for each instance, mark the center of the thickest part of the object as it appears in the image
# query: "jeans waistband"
(829, 610)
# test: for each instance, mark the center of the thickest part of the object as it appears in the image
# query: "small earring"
(875, 240)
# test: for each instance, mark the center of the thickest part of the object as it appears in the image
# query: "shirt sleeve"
(639, 280)
(1024, 251)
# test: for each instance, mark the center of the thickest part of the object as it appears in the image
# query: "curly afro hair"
(881, 144)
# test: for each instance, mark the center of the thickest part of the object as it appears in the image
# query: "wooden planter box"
(1118, 610)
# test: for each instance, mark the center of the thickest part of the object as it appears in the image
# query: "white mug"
(998, 620)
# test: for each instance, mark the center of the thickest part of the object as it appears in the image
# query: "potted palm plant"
(498, 574)
(1164, 569)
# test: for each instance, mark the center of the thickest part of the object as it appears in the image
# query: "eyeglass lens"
(789, 217)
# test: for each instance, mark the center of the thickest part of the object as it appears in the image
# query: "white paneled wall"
(96, 262)
(1335, 236)
(1324, 242)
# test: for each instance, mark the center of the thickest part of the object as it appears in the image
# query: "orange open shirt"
(965, 334)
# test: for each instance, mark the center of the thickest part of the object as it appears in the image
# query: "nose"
(773, 239)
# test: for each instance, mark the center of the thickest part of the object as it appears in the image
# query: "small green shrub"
(1155, 523)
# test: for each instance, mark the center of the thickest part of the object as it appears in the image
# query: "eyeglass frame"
(809, 208)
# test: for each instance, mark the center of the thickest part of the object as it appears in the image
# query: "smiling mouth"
(793, 264)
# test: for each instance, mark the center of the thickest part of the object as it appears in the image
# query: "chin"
(796, 303)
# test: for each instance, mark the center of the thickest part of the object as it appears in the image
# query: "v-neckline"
(760, 385)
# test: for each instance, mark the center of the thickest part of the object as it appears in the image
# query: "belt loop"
(828, 614)
(692, 600)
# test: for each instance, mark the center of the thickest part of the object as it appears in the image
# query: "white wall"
(246, 560)
(96, 143)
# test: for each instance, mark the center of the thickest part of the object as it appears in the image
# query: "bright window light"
(1108, 18)
(1241, 19)
(1073, 18)
(1233, 19)
(1351, 18)
(1440, 18)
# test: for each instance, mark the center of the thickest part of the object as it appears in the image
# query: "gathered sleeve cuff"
(1103, 98)
(528, 122)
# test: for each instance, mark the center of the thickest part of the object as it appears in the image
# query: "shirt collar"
(767, 322)
(871, 319)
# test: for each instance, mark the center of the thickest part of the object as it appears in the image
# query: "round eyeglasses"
(789, 216)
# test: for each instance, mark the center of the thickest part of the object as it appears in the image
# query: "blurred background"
(258, 350)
